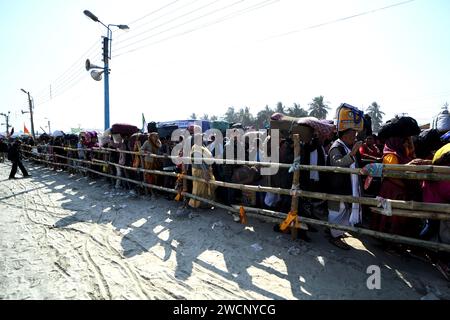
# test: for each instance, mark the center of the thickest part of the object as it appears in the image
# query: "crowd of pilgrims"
(348, 148)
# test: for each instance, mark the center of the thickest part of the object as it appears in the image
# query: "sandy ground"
(66, 236)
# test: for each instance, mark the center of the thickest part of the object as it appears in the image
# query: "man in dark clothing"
(3, 150)
(14, 155)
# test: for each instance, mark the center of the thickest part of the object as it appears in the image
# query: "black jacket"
(14, 152)
(3, 147)
(339, 183)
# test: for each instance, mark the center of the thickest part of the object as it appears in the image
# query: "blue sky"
(397, 57)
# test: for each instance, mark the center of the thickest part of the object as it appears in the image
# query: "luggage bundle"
(442, 121)
(289, 125)
(123, 129)
(165, 130)
(349, 117)
(399, 127)
(220, 125)
(151, 127)
(306, 127)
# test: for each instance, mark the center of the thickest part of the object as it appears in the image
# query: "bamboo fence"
(435, 211)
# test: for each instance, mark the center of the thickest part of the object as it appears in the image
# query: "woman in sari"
(204, 171)
(151, 146)
(398, 150)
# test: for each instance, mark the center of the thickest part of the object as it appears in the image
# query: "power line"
(67, 74)
(80, 77)
(339, 20)
(227, 17)
(163, 24)
(153, 12)
(184, 23)
(134, 28)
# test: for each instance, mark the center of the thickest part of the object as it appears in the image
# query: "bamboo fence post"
(295, 185)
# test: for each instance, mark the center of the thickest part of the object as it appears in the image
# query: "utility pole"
(106, 44)
(7, 121)
(106, 57)
(30, 112)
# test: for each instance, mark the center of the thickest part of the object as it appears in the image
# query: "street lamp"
(106, 57)
(30, 112)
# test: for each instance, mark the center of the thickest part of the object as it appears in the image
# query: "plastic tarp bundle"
(306, 127)
(123, 129)
(165, 131)
(442, 121)
(58, 133)
(220, 125)
(185, 124)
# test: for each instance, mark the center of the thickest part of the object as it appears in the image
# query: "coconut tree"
(318, 108)
(297, 111)
(377, 116)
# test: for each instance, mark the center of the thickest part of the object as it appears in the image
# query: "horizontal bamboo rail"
(433, 208)
(280, 216)
(376, 234)
(413, 214)
(411, 172)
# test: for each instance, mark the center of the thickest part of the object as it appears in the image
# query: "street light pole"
(106, 56)
(7, 121)
(106, 43)
(31, 112)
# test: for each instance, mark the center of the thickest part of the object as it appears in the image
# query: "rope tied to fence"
(385, 204)
(295, 165)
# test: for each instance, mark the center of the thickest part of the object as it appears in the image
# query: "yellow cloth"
(242, 215)
(291, 217)
(441, 152)
(201, 189)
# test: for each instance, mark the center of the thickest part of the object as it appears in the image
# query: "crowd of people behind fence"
(400, 141)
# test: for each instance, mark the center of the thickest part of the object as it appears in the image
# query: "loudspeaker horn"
(96, 75)
(90, 66)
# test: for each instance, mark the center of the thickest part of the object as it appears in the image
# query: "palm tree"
(377, 116)
(318, 108)
(263, 117)
(205, 117)
(230, 115)
(280, 108)
(193, 116)
(245, 117)
(297, 111)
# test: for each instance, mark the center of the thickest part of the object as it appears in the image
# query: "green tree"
(263, 117)
(245, 117)
(377, 116)
(231, 115)
(193, 116)
(214, 118)
(280, 108)
(297, 111)
(318, 109)
(205, 117)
